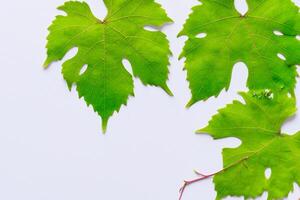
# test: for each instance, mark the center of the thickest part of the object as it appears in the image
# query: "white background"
(51, 145)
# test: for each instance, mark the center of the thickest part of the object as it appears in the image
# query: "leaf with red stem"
(257, 123)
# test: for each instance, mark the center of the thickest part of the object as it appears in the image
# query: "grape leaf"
(257, 123)
(268, 28)
(102, 46)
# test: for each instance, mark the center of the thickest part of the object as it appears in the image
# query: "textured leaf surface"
(102, 45)
(257, 123)
(232, 38)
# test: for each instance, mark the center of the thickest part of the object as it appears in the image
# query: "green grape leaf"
(257, 124)
(266, 31)
(102, 46)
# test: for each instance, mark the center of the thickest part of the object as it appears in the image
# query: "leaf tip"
(46, 64)
(104, 125)
(169, 20)
(70, 85)
(202, 131)
(190, 104)
(180, 34)
(168, 91)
